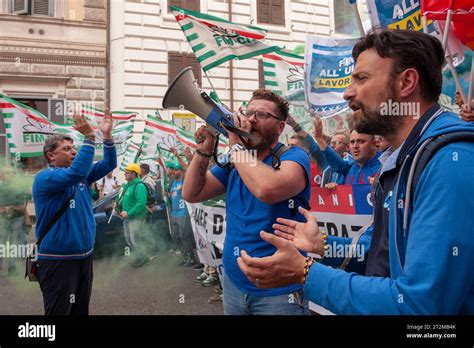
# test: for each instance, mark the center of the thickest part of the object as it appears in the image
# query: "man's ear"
(49, 157)
(408, 82)
(281, 127)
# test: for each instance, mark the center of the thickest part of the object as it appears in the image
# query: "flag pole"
(449, 57)
(457, 81)
(471, 86)
(208, 79)
(358, 19)
(446, 28)
(425, 25)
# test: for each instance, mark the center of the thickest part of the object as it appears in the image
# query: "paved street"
(159, 288)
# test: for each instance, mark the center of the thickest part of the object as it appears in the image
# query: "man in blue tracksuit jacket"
(65, 254)
(429, 256)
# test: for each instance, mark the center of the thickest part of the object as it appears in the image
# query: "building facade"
(53, 55)
(148, 47)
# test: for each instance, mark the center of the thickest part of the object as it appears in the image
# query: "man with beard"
(421, 256)
(256, 194)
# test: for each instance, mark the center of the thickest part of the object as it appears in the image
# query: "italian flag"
(215, 41)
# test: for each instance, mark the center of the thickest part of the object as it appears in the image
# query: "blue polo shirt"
(246, 216)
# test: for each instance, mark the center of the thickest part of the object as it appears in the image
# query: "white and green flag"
(95, 116)
(215, 41)
(284, 75)
(27, 128)
(132, 153)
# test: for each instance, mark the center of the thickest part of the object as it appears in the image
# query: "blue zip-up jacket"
(354, 173)
(431, 262)
(73, 235)
(328, 175)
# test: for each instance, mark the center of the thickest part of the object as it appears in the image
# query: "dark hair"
(281, 104)
(408, 49)
(145, 168)
(53, 141)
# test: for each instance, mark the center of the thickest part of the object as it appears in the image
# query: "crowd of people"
(418, 247)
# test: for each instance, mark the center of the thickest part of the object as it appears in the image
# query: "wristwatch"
(234, 148)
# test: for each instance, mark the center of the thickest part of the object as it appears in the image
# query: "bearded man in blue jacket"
(420, 263)
(65, 254)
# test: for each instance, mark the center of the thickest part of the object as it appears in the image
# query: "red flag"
(465, 33)
(463, 10)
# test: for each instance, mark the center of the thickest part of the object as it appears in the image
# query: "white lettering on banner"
(340, 225)
(321, 200)
(334, 200)
(208, 224)
(400, 11)
(37, 331)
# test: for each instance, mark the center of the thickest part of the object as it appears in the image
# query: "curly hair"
(281, 104)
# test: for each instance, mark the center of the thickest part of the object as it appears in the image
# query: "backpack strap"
(423, 156)
(56, 216)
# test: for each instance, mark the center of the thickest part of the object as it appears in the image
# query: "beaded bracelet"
(203, 154)
(307, 265)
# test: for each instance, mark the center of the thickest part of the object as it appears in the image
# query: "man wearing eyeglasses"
(256, 194)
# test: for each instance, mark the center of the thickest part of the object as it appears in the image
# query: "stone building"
(53, 54)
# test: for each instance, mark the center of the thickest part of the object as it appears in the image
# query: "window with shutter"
(193, 5)
(175, 65)
(41, 7)
(32, 7)
(271, 12)
(192, 61)
(179, 61)
(19, 6)
(261, 77)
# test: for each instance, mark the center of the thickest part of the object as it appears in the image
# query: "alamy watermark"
(394, 108)
(37, 331)
(247, 156)
(19, 251)
(345, 250)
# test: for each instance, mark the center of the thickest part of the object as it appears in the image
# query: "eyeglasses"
(259, 115)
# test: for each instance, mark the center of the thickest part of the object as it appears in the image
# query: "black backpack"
(150, 194)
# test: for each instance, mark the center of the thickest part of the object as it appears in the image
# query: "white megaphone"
(184, 93)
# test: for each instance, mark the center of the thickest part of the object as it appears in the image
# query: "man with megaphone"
(257, 193)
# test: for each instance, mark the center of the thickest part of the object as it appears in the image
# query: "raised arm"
(199, 183)
(101, 168)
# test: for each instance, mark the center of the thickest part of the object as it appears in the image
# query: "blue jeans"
(237, 302)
